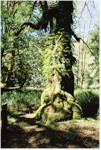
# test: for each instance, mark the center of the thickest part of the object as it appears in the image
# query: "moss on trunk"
(57, 101)
(57, 107)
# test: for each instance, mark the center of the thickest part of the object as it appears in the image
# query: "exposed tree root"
(57, 106)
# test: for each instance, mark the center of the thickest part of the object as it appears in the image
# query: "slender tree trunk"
(4, 120)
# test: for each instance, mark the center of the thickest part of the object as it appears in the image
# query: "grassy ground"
(25, 132)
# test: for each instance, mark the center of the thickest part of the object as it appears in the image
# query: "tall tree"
(57, 102)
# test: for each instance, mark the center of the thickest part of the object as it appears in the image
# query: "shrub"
(17, 100)
(89, 101)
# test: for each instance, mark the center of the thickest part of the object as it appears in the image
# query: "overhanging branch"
(31, 24)
(41, 24)
(75, 36)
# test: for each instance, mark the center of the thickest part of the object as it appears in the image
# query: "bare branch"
(89, 10)
(82, 10)
(89, 48)
(84, 7)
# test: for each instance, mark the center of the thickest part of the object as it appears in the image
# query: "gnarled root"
(57, 106)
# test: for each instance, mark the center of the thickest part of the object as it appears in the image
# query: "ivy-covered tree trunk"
(57, 102)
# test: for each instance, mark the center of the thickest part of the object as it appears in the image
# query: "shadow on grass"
(19, 118)
(67, 139)
(40, 136)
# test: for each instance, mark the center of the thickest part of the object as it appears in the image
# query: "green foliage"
(21, 56)
(47, 60)
(86, 69)
(94, 43)
(57, 56)
(93, 77)
(86, 96)
(22, 99)
(89, 101)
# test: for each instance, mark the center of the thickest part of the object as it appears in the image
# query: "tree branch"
(78, 39)
(31, 24)
(89, 49)
(41, 24)
(75, 36)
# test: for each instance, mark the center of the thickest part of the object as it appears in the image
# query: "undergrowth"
(89, 101)
(18, 100)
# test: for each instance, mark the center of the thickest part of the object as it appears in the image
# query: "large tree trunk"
(57, 102)
(60, 25)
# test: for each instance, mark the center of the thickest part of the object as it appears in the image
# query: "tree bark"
(57, 102)
(4, 120)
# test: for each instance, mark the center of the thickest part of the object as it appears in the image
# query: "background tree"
(94, 50)
(86, 21)
(22, 55)
(19, 57)
(87, 72)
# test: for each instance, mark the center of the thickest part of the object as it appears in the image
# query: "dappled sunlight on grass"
(26, 132)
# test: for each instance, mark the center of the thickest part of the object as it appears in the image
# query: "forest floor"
(25, 132)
